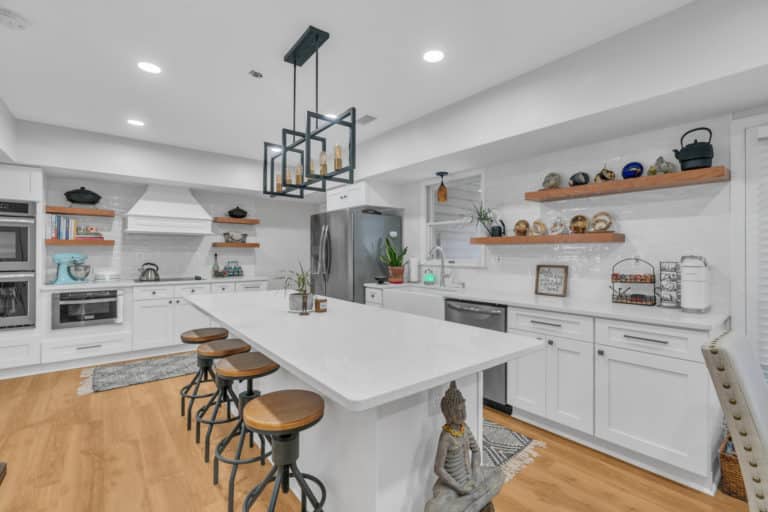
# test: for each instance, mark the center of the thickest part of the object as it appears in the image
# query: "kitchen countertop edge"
(92, 285)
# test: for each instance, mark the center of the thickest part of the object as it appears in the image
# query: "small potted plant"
(483, 216)
(393, 259)
(300, 301)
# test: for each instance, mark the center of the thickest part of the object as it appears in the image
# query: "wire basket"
(633, 281)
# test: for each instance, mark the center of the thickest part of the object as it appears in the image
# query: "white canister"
(413, 270)
(694, 284)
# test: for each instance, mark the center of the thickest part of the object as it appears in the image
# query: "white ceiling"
(75, 65)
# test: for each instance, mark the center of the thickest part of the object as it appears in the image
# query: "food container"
(694, 284)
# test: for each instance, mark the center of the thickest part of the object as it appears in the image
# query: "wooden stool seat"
(204, 335)
(223, 348)
(245, 366)
(290, 410)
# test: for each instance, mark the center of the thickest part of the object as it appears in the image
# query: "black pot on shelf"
(695, 155)
(237, 213)
(82, 196)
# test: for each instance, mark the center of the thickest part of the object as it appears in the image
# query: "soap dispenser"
(429, 276)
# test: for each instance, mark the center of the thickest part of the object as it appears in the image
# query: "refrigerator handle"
(321, 252)
(327, 252)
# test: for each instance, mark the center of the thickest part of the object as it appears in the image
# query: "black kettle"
(695, 155)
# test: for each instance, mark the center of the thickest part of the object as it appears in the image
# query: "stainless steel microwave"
(17, 236)
(83, 309)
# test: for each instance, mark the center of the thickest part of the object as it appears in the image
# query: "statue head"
(453, 406)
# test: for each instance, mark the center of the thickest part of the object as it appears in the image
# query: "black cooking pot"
(237, 213)
(82, 196)
(695, 155)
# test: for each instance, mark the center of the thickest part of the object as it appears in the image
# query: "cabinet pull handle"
(640, 338)
(550, 342)
(154, 292)
(178, 302)
(549, 324)
(193, 290)
(170, 302)
(88, 347)
(601, 352)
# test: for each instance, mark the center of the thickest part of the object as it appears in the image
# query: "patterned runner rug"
(507, 449)
(104, 378)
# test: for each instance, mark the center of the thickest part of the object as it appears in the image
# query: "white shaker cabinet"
(153, 321)
(654, 405)
(570, 367)
(527, 381)
(185, 318)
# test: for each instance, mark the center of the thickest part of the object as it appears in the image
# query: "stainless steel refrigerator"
(345, 249)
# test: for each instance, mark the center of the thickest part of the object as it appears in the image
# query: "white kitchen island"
(382, 374)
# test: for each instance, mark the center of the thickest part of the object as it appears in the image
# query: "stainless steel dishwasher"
(487, 316)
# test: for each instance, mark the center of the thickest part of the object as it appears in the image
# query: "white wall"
(7, 134)
(664, 56)
(659, 225)
(283, 233)
(106, 155)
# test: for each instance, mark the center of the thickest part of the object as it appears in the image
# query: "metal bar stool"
(281, 416)
(223, 394)
(204, 372)
(248, 367)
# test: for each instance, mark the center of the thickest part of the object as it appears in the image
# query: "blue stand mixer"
(64, 261)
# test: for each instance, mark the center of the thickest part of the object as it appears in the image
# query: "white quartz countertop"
(92, 285)
(608, 310)
(358, 356)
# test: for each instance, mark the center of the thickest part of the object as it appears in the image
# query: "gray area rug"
(104, 378)
(507, 449)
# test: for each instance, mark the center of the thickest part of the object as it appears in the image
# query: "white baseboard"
(24, 371)
(657, 467)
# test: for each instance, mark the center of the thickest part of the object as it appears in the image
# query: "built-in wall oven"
(17, 299)
(83, 309)
(17, 236)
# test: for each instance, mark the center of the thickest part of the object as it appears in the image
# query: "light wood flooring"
(128, 450)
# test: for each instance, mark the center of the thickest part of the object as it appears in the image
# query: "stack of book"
(61, 227)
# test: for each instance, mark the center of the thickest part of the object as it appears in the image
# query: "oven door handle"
(16, 220)
(11, 277)
(88, 301)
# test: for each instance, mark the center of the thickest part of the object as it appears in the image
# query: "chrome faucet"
(443, 274)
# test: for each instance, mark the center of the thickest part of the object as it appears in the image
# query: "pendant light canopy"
(301, 161)
(442, 190)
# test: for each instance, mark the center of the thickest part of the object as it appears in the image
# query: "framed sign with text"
(552, 280)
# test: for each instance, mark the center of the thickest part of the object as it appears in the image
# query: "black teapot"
(695, 155)
(499, 230)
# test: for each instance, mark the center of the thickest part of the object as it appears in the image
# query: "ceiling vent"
(366, 119)
(10, 19)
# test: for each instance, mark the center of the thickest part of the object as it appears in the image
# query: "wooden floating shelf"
(232, 220)
(80, 242)
(246, 245)
(623, 186)
(582, 238)
(89, 212)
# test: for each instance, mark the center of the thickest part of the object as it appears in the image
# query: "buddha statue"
(462, 484)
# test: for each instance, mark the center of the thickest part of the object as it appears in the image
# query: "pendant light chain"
(294, 100)
(317, 83)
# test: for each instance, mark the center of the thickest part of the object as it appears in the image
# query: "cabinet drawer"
(558, 324)
(152, 292)
(222, 287)
(652, 339)
(19, 352)
(373, 296)
(252, 286)
(191, 290)
(82, 348)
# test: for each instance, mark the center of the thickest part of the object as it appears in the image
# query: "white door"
(570, 383)
(187, 317)
(152, 323)
(653, 405)
(527, 381)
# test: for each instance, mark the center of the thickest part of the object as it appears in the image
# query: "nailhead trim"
(747, 448)
(753, 463)
(759, 495)
(732, 401)
(737, 417)
(756, 479)
(727, 386)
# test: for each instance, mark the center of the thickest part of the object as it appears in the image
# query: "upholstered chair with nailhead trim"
(743, 393)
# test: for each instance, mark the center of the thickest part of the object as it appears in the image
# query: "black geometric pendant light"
(303, 160)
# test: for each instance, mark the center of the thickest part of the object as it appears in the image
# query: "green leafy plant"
(483, 216)
(300, 281)
(392, 257)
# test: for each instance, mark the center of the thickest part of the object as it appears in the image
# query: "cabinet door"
(187, 317)
(653, 405)
(527, 381)
(570, 383)
(153, 323)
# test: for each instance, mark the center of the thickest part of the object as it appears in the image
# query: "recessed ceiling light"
(433, 56)
(135, 122)
(150, 67)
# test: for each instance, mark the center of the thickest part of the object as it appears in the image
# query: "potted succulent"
(393, 259)
(483, 216)
(300, 301)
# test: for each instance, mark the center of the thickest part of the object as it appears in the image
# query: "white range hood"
(168, 211)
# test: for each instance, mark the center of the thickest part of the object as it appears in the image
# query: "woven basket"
(731, 482)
